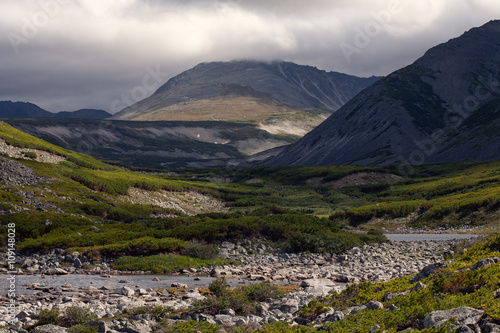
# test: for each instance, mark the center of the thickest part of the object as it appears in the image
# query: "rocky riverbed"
(313, 274)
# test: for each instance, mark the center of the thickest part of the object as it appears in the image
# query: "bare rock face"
(444, 107)
(463, 315)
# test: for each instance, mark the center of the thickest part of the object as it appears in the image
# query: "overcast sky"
(73, 54)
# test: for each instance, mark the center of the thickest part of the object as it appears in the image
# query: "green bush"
(322, 243)
(242, 300)
(77, 316)
(46, 317)
(262, 292)
(219, 287)
(29, 154)
(190, 326)
(157, 311)
(199, 250)
(82, 329)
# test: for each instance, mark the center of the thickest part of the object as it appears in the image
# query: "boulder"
(49, 329)
(217, 272)
(419, 286)
(463, 315)
(485, 262)
(317, 282)
(225, 320)
(127, 291)
(491, 328)
(373, 305)
(100, 325)
(318, 291)
(229, 312)
(426, 272)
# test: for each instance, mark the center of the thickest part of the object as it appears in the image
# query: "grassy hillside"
(87, 205)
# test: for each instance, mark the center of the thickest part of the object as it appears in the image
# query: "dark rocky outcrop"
(444, 107)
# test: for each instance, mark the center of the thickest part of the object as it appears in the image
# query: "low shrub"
(185, 327)
(200, 250)
(322, 243)
(77, 316)
(29, 154)
(262, 292)
(157, 311)
(82, 329)
(46, 317)
(219, 287)
(242, 300)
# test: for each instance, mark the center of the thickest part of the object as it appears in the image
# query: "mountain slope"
(10, 109)
(247, 91)
(156, 144)
(442, 108)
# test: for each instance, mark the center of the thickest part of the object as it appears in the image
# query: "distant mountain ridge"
(445, 107)
(247, 91)
(10, 109)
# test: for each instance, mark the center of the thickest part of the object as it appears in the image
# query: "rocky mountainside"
(442, 108)
(10, 109)
(249, 91)
(156, 144)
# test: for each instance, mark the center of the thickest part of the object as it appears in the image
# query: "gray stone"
(419, 286)
(136, 327)
(491, 328)
(336, 316)
(77, 263)
(302, 321)
(316, 282)
(355, 309)
(289, 306)
(485, 262)
(463, 315)
(127, 291)
(373, 305)
(393, 307)
(217, 272)
(229, 312)
(262, 308)
(100, 325)
(225, 320)
(374, 328)
(49, 329)
(318, 291)
(467, 329)
(426, 272)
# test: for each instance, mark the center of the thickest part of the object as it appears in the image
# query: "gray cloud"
(65, 55)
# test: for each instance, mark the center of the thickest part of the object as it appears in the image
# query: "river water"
(147, 281)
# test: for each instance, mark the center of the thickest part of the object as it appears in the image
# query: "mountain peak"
(246, 90)
(444, 107)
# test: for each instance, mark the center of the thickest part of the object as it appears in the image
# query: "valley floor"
(311, 275)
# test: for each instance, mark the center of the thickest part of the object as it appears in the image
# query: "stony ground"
(313, 274)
